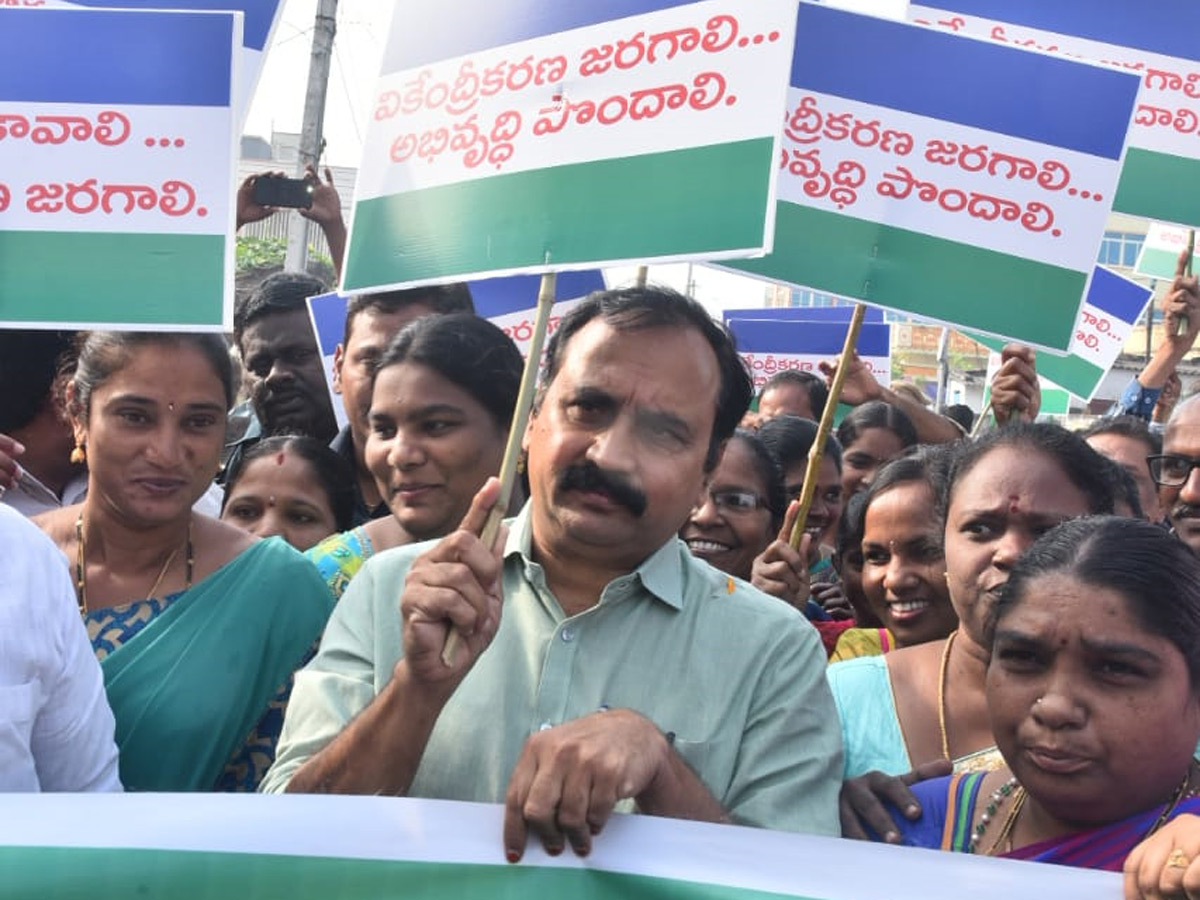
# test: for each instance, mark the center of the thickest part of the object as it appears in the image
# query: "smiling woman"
(1003, 492)
(198, 626)
(741, 510)
(808, 582)
(442, 397)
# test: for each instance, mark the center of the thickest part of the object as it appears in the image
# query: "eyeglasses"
(737, 503)
(1171, 470)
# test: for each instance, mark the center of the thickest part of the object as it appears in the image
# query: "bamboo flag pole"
(817, 450)
(978, 426)
(643, 272)
(512, 450)
(1181, 328)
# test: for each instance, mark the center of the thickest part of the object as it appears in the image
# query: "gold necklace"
(81, 565)
(1010, 821)
(941, 695)
(1004, 840)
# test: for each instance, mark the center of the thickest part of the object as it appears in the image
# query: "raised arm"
(326, 211)
(379, 740)
(860, 387)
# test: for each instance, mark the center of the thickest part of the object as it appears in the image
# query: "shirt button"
(568, 635)
(544, 726)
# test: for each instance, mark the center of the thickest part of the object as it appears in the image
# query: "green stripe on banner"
(705, 199)
(1158, 263)
(53, 873)
(928, 276)
(1078, 375)
(1159, 186)
(54, 276)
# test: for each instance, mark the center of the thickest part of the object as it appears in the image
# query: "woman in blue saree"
(198, 625)
(1093, 692)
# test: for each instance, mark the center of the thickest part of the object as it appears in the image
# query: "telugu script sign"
(1159, 256)
(920, 177)
(117, 162)
(1157, 42)
(774, 345)
(516, 137)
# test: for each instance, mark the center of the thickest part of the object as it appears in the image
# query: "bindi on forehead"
(1014, 504)
(280, 457)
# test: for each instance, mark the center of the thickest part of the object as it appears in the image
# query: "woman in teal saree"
(197, 624)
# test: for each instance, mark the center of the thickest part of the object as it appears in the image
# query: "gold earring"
(79, 454)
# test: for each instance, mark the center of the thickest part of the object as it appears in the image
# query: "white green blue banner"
(117, 169)
(518, 136)
(960, 180)
(260, 18)
(1113, 306)
(1159, 256)
(771, 345)
(253, 847)
(1156, 41)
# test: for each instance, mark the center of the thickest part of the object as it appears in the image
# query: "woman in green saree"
(198, 625)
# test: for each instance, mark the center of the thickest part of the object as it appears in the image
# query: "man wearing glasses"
(1175, 472)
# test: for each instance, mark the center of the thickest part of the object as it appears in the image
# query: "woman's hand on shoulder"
(1166, 865)
(863, 803)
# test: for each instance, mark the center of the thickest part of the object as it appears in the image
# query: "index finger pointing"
(481, 505)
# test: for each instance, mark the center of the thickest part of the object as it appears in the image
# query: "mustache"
(590, 477)
(1184, 511)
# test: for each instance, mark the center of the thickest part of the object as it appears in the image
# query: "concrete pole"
(314, 117)
(943, 369)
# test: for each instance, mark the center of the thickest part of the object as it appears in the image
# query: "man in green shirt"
(601, 665)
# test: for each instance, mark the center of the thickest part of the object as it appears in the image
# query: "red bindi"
(1013, 506)
(279, 459)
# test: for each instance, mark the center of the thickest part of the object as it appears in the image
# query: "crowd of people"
(985, 644)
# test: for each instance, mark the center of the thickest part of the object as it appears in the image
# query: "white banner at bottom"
(213, 847)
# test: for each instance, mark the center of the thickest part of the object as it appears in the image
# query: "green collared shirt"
(738, 677)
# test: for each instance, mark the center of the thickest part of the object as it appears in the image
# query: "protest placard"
(774, 345)
(213, 847)
(259, 18)
(508, 137)
(1158, 43)
(117, 165)
(508, 302)
(1159, 255)
(919, 176)
(1113, 306)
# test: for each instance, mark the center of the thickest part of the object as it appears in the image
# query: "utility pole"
(314, 117)
(943, 369)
